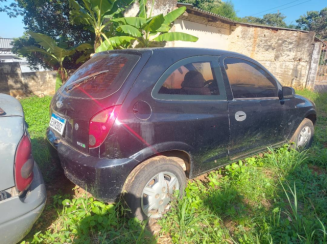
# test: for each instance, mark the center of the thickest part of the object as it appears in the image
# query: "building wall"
(210, 35)
(286, 54)
(18, 84)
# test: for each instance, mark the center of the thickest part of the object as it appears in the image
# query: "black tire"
(305, 124)
(140, 178)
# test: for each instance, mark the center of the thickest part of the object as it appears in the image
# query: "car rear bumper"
(104, 178)
(19, 213)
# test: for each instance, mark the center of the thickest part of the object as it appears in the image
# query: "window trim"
(216, 72)
(278, 85)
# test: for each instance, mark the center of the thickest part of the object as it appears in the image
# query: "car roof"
(180, 51)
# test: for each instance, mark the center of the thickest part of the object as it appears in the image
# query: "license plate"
(57, 123)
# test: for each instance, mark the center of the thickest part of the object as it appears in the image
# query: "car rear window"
(101, 76)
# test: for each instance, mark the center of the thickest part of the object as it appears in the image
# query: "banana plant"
(52, 53)
(148, 30)
(96, 15)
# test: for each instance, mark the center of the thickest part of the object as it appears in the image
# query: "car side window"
(248, 80)
(191, 78)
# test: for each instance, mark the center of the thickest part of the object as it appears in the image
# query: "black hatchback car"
(140, 122)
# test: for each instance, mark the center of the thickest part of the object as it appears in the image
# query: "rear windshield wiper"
(82, 80)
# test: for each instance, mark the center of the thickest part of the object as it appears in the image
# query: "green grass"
(277, 197)
(37, 118)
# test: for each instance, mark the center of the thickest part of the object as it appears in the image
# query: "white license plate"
(57, 123)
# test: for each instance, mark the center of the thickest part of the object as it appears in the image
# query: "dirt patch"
(230, 225)
(155, 229)
(317, 170)
(266, 203)
(268, 173)
(203, 178)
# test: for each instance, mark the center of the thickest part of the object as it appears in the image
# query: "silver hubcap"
(304, 136)
(157, 193)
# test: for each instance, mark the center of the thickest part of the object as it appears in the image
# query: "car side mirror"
(288, 92)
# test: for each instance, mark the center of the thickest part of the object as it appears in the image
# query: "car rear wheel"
(303, 136)
(150, 187)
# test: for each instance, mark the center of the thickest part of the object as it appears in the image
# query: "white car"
(22, 190)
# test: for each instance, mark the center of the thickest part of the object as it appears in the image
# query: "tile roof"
(207, 14)
(5, 43)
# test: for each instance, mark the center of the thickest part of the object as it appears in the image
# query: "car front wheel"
(150, 187)
(303, 135)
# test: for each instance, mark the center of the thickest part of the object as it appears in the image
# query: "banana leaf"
(176, 36)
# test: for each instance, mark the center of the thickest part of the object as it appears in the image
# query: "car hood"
(11, 106)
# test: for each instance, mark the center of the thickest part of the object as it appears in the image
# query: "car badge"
(76, 126)
(59, 104)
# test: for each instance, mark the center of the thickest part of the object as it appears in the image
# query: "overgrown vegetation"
(276, 197)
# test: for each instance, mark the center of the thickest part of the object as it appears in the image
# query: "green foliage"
(52, 52)
(96, 15)
(149, 30)
(226, 9)
(207, 5)
(37, 118)
(52, 19)
(314, 21)
(58, 82)
(276, 19)
(85, 220)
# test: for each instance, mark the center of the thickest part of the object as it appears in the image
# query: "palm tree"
(53, 53)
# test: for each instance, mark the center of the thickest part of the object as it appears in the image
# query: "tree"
(96, 14)
(52, 19)
(252, 20)
(226, 9)
(148, 30)
(314, 21)
(53, 52)
(276, 19)
(207, 5)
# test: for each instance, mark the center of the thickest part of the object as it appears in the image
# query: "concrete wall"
(286, 54)
(18, 84)
(211, 35)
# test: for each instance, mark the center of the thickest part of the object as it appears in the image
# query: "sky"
(293, 9)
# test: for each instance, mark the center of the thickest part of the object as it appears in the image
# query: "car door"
(256, 112)
(191, 107)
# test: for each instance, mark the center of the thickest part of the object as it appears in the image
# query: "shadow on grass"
(50, 167)
(112, 224)
(58, 187)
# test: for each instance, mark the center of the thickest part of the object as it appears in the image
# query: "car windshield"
(101, 76)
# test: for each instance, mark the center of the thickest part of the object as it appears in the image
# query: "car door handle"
(240, 116)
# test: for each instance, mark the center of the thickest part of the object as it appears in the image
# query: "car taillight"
(24, 164)
(100, 126)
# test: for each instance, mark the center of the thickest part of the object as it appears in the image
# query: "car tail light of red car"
(100, 126)
(24, 164)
